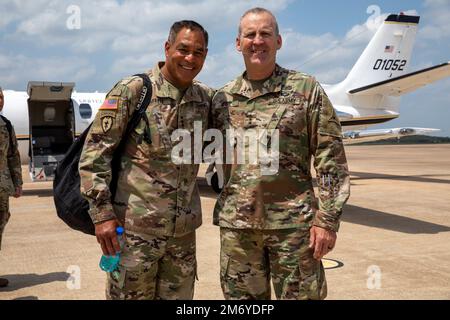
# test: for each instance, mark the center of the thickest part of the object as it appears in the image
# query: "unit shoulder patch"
(107, 123)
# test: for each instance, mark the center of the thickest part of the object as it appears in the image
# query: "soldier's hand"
(107, 237)
(322, 241)
(18, 192)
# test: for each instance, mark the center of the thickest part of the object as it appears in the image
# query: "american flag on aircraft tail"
(389, 49)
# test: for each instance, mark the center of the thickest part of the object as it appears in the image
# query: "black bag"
(70, 205)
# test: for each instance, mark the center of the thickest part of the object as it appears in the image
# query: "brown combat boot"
(3, 282)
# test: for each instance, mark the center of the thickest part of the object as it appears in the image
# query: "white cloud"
(132, 64)
(328, 57)
(104, 21)
(17, 70)
(222, 68)
(131, 33)
(153, 42)
(438, 15)
(43, 23)
(17, 10)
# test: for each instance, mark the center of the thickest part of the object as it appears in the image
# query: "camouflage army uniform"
(157, 200)
(265, 219)
(10, 173)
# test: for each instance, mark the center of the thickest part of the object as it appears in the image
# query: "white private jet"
(371, 92)
(49, 116)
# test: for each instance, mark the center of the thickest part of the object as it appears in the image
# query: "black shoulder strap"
(9, 127)
(139, 112)
(8, 124)
(143, 102)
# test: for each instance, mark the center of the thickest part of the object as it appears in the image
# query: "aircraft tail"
(388, 54)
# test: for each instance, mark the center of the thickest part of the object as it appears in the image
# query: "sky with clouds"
(95, 43)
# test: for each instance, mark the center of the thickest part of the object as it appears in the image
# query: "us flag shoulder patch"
(110, 104)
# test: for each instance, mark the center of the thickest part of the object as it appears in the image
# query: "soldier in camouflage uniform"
(10, 172)
(272, 226)
(157, 201)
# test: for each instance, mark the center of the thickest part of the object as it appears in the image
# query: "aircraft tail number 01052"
(390, 64)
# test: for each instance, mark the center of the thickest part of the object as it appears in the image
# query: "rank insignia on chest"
(107, 123)
(109, 104)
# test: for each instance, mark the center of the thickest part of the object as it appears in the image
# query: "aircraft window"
(49, 114)
(56, 88)
(85, 111)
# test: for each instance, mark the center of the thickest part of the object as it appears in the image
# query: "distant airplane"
(49, 116)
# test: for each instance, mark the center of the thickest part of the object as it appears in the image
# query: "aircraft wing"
(409, 82)
(351, 137)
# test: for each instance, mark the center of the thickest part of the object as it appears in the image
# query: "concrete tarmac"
(394, 241)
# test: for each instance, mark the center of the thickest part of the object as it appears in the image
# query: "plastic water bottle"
(110, 263)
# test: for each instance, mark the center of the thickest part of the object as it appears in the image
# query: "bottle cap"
(119, 230)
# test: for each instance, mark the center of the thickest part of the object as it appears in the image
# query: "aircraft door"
(52, 126)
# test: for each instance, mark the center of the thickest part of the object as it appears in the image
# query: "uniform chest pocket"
(139, 144)
(294, 120)
(195, 116)
(145, 139)
(237, 114)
